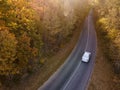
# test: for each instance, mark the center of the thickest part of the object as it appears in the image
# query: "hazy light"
(69, 6)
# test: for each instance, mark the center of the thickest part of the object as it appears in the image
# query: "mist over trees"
(32, 30)
(59, 22)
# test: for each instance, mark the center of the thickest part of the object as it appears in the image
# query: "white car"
(86, 56)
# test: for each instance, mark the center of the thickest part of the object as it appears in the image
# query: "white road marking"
(68, 82)
(88, 34)
(71, 77)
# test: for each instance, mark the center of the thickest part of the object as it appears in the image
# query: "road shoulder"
(102, 77)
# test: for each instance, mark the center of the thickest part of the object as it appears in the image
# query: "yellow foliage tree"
(8, 46)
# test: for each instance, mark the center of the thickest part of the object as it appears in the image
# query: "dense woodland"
(108, 26)
(33, 30)
(19, 38)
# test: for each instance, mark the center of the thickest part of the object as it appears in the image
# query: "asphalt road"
(75, 74)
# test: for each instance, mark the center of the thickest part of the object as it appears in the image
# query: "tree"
(19, 18)
(8, 47)
(24, 52)
(109, 18)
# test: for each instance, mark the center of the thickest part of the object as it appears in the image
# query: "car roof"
(86, 52)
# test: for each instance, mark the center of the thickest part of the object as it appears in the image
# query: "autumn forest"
(32, 31)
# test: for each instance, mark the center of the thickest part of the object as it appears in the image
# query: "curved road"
(75, 74)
